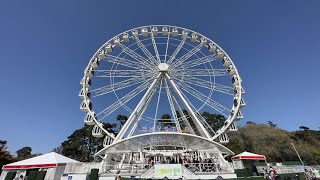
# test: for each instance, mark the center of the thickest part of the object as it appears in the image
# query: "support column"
(136, 110)
(194, 118)
(141, 157)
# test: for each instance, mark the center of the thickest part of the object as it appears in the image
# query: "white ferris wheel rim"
(165, 67)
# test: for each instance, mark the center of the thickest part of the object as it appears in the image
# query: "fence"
(81, 168)
(281, 169)
(203, 168)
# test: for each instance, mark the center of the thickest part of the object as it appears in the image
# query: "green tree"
(165, 121)
(122, 119)
(189, 119)
(304, 128)
(250, 122)
(81, 145)
(5, 156)
(58, 149)
(215, 121)
(271, 124)
(24, 153)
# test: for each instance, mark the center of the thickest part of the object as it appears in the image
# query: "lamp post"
(297, 153)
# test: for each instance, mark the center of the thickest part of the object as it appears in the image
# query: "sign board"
(298, 168)
(168, 170)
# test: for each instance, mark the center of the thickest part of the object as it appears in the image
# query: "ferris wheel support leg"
(104, 163)
(141, 114)
(137, 109)
(141, 158)
(184, 119)
(122, 160)
(173, 110)
(190, 111)
(130, 158)
(145, 105)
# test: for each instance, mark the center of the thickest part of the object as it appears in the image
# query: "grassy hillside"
(274, 143)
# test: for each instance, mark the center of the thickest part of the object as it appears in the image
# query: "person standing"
(316, 173)
(272, 173)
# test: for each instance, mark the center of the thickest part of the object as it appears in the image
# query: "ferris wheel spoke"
(203, 121)
(196, 62)
(173, 110)
(194, 117)
(201, 72)
(124, 62)
(205, 99)
(167, 45)
(145, 50)
(138, 108)
(136, 56)
(173, 56)
(145, 106)
(209, 85)
(123, 73)
(188, 55)
(157, 106)
(182, 115)
(120, 102)
(116, 86)
(155, 48)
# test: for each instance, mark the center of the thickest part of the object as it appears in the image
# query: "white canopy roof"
(145, 141)
(44, 161)
(249, 155)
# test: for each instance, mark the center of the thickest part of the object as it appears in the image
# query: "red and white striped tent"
(248, 156)
(48, 160)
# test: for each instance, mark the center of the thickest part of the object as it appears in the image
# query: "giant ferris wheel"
(150, 71)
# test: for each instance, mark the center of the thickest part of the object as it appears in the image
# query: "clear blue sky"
(44, 47)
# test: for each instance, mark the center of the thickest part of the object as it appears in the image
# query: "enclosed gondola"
(97, 131)
(88, 119)
(144, 32)
(101, 54)
(154, 31)
(223, 138)
(125, 37)
(165, 31)
(212, 47)
(174, 32)
(86, 106)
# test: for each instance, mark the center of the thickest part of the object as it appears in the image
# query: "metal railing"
(136, 169)
(281, 169)
(203, 168)
(132, 169)
(81, 168)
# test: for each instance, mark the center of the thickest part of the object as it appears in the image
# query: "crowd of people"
(180, 160)
(269, 173)
(196, 164)
(310, 174)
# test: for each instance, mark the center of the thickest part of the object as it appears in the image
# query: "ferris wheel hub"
(163, 67)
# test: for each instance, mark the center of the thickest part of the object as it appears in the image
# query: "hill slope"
(274, 143)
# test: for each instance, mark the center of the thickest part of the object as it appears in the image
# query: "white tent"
(44, 161)
(249, 155)
(237, 159)
(53, 162)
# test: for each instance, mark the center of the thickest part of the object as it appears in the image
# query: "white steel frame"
(151, 73)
